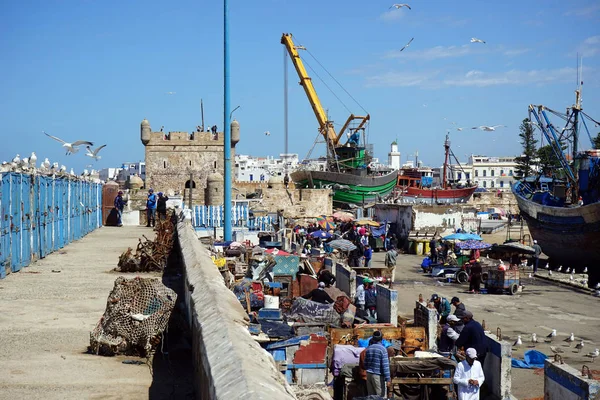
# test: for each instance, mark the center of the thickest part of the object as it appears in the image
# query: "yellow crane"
(325, 126)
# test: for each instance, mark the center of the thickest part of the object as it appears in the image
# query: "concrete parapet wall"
(228, 363)
(387, 305)
(427, 318)
(497, 368)
(345, 279)
(562, 382)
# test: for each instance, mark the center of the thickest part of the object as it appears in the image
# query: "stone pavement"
(47, 317)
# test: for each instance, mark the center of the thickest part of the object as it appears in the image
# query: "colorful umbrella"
(473, 245)
(321, 234)
(462, 236)
(343, 216)
(325, 222)
(369, 222)
(342, 244)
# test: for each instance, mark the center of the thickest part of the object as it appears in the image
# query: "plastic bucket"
(419, 249)
(271, 301)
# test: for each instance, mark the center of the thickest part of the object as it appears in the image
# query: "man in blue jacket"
(473, 336)
(151, 208)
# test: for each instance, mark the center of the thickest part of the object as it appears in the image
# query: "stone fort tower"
(171, 158)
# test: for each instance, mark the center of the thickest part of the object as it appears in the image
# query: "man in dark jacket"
(473, 336)
(460, 307)
(161, 206)
(319, 295)
(119, 206)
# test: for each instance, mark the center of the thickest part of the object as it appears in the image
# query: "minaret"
(394, 156)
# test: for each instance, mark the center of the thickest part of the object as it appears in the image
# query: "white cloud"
(393, 15)
(443, 52)
(516, 52)
(589, 47)
(402, 79)
(435, 53)
(473, 78)
(588, 11)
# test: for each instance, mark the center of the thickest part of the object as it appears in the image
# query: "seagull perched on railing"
(94, 153)
(399, 6)
(475, 40)
(72, 148)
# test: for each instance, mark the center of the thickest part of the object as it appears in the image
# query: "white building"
(394, 156)
(492, 173)
(122, 173)
(251, 169)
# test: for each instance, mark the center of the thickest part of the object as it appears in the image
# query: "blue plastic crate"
(270, 313)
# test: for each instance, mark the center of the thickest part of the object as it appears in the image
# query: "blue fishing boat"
(562, 208)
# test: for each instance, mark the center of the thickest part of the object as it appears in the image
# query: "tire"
(462, 277)
(513, 288)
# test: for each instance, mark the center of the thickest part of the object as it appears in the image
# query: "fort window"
(164, 164)
(190, 184)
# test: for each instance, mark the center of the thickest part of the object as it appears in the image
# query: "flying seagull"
(407, 44)
(488, 128)
(267, 133)
(475, 40)
(72, 148)
(94, 153)
(399, 6)
(170, 93)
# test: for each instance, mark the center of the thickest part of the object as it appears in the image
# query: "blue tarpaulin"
(531, 359)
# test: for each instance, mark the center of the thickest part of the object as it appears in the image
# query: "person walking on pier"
(119, 206)
(161, 206)
(151, 208)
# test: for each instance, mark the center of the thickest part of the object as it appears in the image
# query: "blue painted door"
(35, 217)
(15, 222)
(49, 215)
(26, 219)
(5, 224)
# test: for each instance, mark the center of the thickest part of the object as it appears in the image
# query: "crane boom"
(325, 126)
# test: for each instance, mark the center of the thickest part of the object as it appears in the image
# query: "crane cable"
(335, 80)
(326, 85)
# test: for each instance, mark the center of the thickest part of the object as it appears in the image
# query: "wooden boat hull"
(569, 236)
(347, 188)
(435, 196)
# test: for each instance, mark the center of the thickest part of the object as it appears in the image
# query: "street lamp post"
(231, 113)
(227, 128)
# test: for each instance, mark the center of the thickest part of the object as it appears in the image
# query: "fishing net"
(137, 312)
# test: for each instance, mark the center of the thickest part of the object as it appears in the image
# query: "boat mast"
(447, 148)
(576, 110)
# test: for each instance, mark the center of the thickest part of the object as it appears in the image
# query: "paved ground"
(47, 317)
(540, 308)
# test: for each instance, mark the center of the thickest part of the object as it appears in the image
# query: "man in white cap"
(536, 256)
(469, 376)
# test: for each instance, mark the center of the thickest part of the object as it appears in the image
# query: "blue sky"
(93, 70)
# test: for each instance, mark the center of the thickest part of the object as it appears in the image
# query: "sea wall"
(228, 363)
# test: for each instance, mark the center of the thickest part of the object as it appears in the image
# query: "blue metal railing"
(41, 214)
(213, 217)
